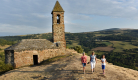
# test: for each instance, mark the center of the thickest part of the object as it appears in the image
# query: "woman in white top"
(103, 60)
(93, 61)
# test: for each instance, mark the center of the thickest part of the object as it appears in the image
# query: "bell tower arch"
(58, 27)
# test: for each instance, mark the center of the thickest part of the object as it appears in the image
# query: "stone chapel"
(34, 51)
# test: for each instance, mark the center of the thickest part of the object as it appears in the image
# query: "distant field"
(96, 52)
(103, 49)
(121, 45)
(118, 46)
(74, 43)
(2, 53)
(107, 43)
(3, 47)
(104, 42)
(108, 48)
(102, 35)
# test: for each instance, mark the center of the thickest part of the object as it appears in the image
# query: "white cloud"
(22, 29)
(25, 15)
(40, 15)
(113, 8)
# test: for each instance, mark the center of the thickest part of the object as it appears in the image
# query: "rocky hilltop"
(70, 68)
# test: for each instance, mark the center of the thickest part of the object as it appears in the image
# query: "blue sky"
(19, 17)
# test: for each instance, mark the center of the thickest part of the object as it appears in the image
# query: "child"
(103, 60)
(84, 61)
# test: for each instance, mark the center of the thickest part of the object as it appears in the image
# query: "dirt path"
(70, 68)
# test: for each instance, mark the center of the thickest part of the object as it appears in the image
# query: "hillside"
(70, 68)
(119, 45)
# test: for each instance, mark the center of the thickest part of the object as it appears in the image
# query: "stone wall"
(24, 58)
(54, 17)
(9, 57)
(58, 29)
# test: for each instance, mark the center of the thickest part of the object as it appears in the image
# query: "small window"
(58, 19)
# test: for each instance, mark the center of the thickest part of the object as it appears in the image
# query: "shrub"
(6, 67)
(78, 49)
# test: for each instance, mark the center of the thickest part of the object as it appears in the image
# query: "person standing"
(93, 61)
(103, 60)
(84, 61)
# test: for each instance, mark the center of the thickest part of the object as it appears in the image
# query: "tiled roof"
(32, 44)
(57, 8)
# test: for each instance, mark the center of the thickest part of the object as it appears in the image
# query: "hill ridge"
(70, 68)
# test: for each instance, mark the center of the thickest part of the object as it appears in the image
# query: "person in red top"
(84, 61)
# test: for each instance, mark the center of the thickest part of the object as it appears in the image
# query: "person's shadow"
(102, 75)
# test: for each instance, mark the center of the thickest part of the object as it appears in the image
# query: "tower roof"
(57, 8)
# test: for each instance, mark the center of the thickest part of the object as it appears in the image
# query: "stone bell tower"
(58, 29)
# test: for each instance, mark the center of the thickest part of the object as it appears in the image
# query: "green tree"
(78, 49)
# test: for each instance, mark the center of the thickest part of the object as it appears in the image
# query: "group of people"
(93, 61)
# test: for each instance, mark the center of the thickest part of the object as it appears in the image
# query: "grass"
(3, 47)
(96, 53)
(102, 35)
(103, 49)
(74, 43)
(4, 67)
(2, 55)
(121, 45)
(107, 43)
(99, 53)
(108, 48)
(104, 42)
(136, 68)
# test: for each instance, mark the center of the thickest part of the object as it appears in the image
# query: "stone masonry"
(33, 51)
(58, 28)
(21, 54)
(25, 57)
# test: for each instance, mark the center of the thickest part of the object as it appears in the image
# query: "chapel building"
(34, 51)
